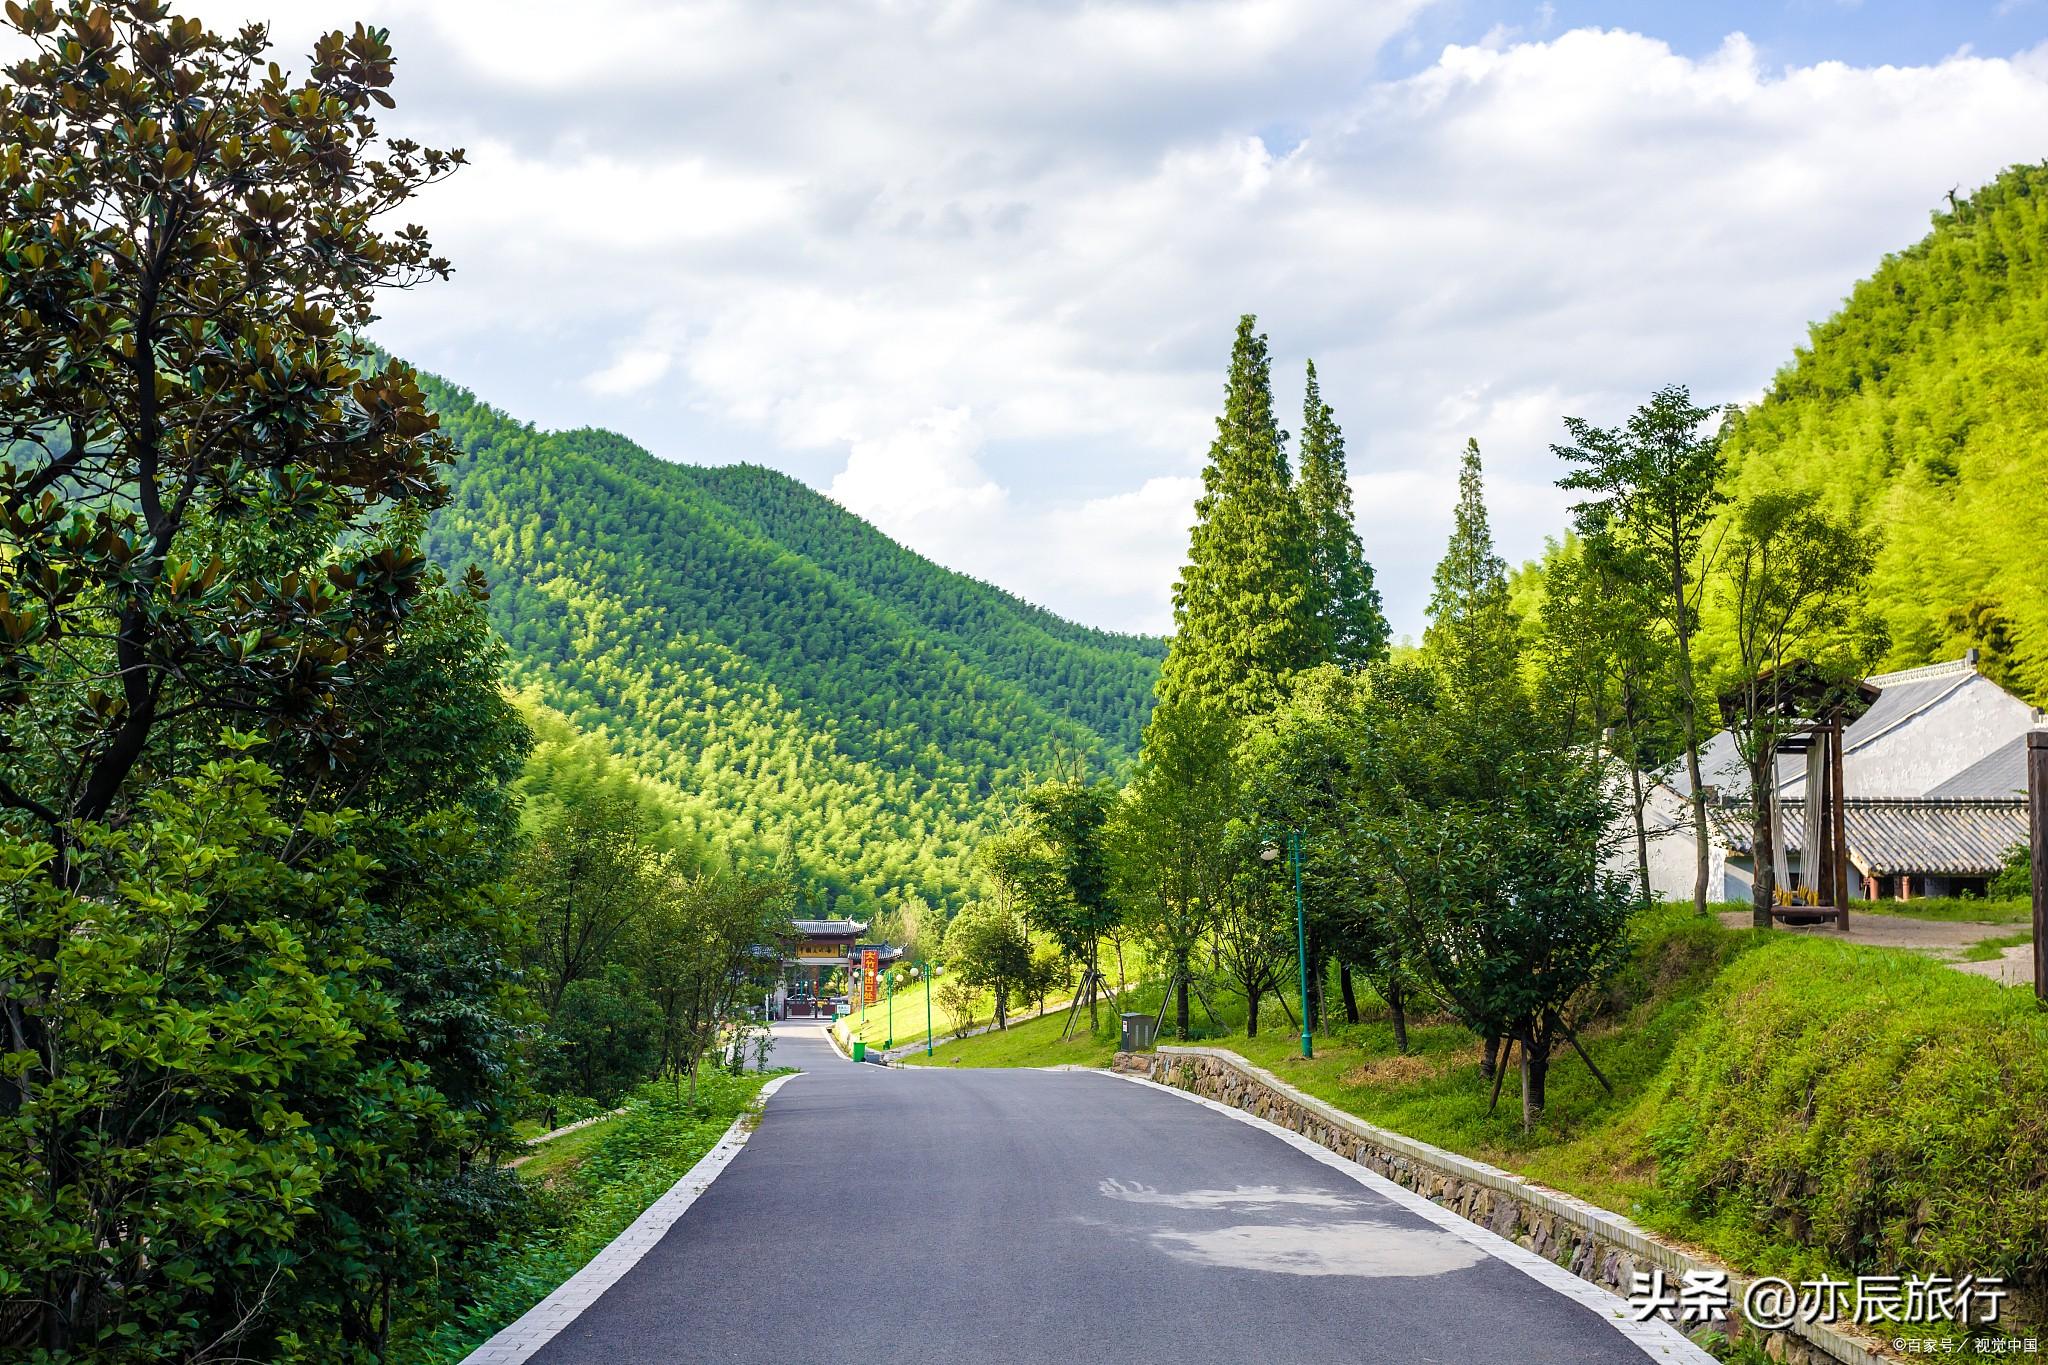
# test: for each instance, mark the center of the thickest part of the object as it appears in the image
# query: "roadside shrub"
(1881, 1109)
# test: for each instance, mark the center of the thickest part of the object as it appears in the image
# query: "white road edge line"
(1656, 1338)
(538, 1325)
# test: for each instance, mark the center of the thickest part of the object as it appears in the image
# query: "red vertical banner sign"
(870, 974)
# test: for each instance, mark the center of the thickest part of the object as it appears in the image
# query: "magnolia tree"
(210, 502)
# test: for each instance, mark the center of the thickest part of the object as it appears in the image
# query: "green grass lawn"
(1951, 909)
(908, 1026)
(558, 1156)
(874, 1027)
(1989, 949)
(1942, 909)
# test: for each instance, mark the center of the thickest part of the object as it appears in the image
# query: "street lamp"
(1266, 855)
(919, 972)
(890, 1041)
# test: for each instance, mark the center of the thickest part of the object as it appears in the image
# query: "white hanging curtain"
(1815, 832)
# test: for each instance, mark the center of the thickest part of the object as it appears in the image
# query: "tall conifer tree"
(1473, 633)
(1242, 610)
(1350, 628)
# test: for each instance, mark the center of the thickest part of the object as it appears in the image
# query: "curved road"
(1060, 1217)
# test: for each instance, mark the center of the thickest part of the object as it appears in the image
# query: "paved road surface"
(1054, 1218)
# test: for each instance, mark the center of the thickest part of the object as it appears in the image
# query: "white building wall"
(1925, 751)
(1668, 819)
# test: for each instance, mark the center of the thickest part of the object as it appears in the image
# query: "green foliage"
(1170, 836)
(798, 679)
(206, 501)
(218, 1101)
(706, 946)
(1066, 889)
(989, 949)
(1351, 630)
(584, 880)
(1473, 634)
(2015, 880)
(1915, 413)
(606, 1030)
(1877, 1109)
(1307, 770)
(1244, 608)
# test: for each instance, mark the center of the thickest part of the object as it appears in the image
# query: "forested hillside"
(1919, 411)
(803, 681)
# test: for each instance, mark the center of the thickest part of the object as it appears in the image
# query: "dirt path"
(1940, 939)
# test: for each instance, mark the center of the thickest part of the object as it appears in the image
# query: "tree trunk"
(1489, 1055)
(1180, 997)
(1763, 884)
(1350, 993)
(1535, 1070)
(1635, 781)
(1316, 963)
(1690, 709)
(1092, 980)
(1397, 1007)
(1251, 1020)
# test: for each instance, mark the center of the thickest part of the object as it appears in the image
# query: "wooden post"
(2037, 840)
(1838, 823)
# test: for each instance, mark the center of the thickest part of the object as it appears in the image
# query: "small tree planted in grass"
(1171, 835)
(989, 949)
(1510, 913)
(1064, 876)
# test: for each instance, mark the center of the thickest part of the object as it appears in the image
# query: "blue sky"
(972, 268)
(1786, 32)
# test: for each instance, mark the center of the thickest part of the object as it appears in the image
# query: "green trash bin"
(860, 1050)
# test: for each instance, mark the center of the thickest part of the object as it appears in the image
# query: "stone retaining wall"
(1594, 1244)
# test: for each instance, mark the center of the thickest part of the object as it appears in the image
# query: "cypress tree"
(1242, 610)
(1473, 634)
(1350, 628)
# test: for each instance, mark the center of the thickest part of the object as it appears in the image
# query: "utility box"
(1139, 1031)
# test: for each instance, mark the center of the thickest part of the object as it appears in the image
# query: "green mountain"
(810, 687)
(1920, 410)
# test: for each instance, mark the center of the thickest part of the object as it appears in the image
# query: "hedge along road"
(1000, 1216)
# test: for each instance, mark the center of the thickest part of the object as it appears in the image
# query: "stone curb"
(1598, 1246)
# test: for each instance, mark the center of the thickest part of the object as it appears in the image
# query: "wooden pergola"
(1807, 708)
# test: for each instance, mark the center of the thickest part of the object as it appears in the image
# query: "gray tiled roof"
(2000, 773)
(1956, 838)
(829, 928)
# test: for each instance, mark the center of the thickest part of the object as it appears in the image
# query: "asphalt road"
(1054, 1217)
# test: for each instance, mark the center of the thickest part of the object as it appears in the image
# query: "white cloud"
(940, 246)
(920, 478)
(635, 369)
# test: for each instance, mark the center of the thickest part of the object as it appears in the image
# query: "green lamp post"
(921, 970)
(1268, 854)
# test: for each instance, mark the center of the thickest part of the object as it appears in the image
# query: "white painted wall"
(1932, 747)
